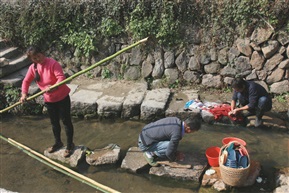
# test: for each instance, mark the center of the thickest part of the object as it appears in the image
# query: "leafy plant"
(283, 98)
(106, 73)
(83, 42)
(110, 27)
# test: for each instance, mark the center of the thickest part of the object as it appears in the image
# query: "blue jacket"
(166, 129)
(251, 94)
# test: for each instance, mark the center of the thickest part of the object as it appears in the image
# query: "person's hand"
(180, 156)
(23, 98)
(233, 112)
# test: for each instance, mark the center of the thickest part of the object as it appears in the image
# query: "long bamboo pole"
(78, 73)
(58, 166)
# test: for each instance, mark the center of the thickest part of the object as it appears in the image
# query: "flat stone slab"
(154, 104)
(132, 103)
(269, 121)
(106, 155)
(84, 102)
(110, 106)
(78, 154)
(198, 164)
(178, 101)
(215, 180)
(134, 160)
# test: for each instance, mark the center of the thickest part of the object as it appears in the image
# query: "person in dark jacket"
(251, 97)
(161, 138)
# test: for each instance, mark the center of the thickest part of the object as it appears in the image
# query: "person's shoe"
(150, 160)
(69, 150)
(258, 122)
(55, 147)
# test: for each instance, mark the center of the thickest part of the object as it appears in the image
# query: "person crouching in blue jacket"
(161, 138)
(252, 97)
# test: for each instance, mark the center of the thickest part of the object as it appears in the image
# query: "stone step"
(9, 52)
(14, 65)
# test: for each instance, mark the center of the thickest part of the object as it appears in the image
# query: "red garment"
(222, 110)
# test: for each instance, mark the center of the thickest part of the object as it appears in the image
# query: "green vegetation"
(10, 95)
(283, 98)
(81, 25)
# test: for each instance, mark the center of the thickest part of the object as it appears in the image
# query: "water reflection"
(21, 173)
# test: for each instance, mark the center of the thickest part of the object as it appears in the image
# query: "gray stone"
(73, 160)
(276, 76)
(171, 75)
(270, 48)
(132, 103)
(134, 160)
(194, 64)
(169, 58)
(181, 61)
(242, 64)
(147, 69)
(244, 47)
(158, 69)
(136, 56)
(154, 104)
(210, 80)
(261, 35)
(81, 104)
(228, 71)
(192, 76)
(257, 60)
(213, 54)
(273, 62)
(283, 37)
(212, 68)
(107, 155)
(132, 73)
(197, 161)
(222, 56)
(177, 108)
(280, 87)
(109, 106)
(284, 64)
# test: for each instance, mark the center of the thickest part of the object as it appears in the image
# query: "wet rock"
(269, 121)
(282, 180)
(180, 98)
(134, 160)
(107, 155)
(77, 155)
(6, 191)
(198, 163)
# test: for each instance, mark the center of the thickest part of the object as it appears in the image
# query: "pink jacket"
(50, 73)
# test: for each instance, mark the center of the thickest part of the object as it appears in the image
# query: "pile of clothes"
(217, 109)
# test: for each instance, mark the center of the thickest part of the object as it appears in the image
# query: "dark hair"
(238, 83)
(33, 50)
(194, 122)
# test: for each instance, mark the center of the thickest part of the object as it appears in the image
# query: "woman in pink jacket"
(47, 72)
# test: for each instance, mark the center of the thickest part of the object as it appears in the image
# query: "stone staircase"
(13, 64)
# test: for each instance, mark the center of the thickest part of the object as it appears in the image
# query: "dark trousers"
(61, 110)
(264, 103)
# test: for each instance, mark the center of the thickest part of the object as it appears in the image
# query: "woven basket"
(234, 176)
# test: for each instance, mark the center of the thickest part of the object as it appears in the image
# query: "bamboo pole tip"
(143, 40)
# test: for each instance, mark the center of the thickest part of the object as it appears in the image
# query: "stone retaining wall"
(262, 57)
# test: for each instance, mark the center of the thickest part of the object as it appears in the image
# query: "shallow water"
(22, 173)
